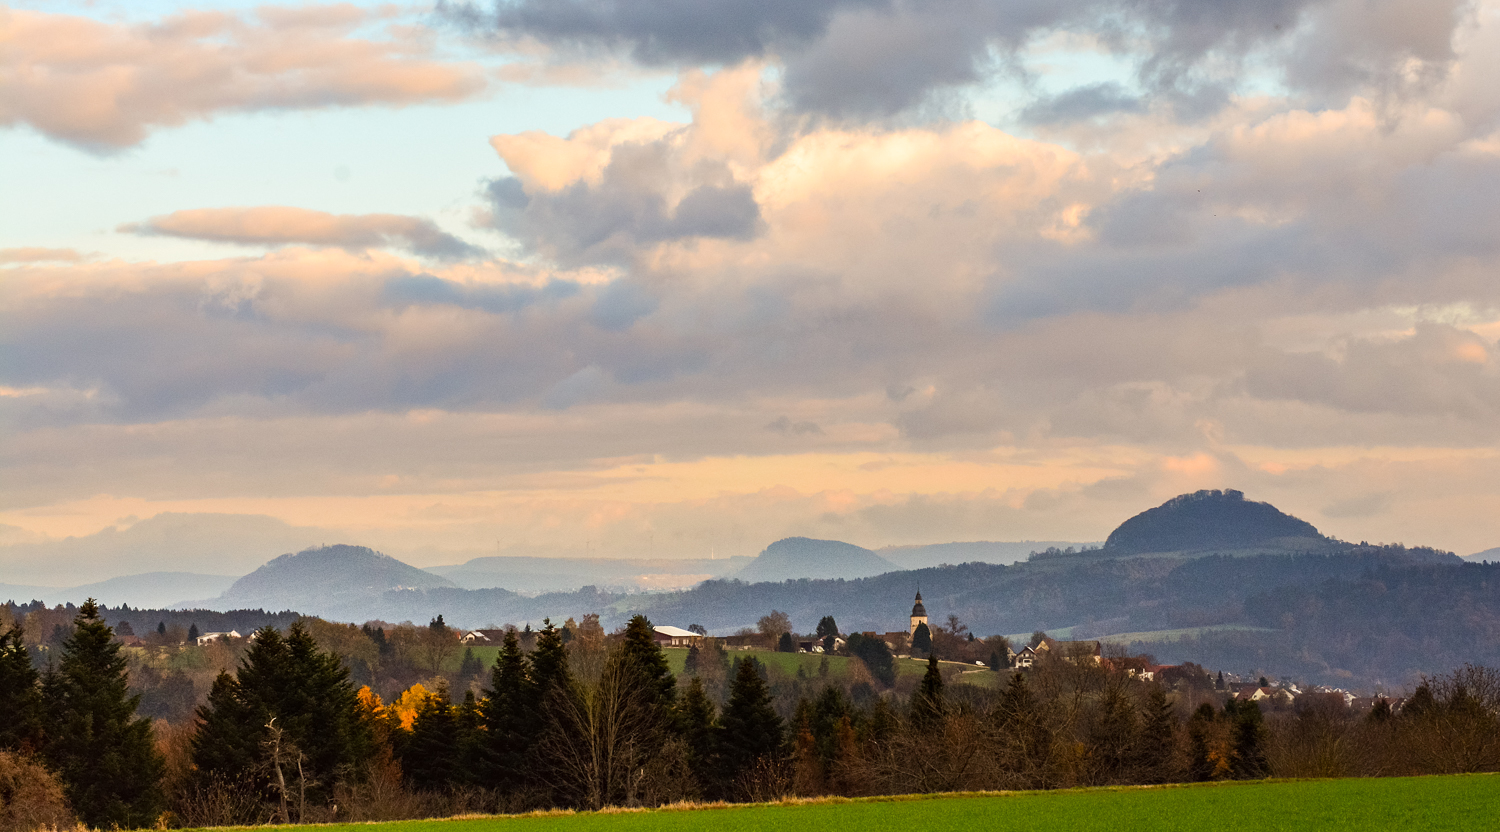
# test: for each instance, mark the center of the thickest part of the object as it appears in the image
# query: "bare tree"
(600, 736)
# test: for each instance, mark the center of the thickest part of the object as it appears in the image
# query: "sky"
(669, 279)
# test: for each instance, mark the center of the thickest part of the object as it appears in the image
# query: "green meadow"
(1460, 802)
(788, 663)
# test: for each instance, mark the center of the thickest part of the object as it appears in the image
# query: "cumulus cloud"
(279, 225)
(854, 59)
(106, 86)
(858, 328)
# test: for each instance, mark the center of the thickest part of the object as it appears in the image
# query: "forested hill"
(1211, 520)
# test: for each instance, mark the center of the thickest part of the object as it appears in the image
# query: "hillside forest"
(573, 716)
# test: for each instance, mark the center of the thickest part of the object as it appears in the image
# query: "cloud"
(33, 254)
(279, 225)
(874, 60)
(105, 86)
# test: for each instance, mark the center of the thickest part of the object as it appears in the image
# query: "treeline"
(1386, 626)
(592, 721)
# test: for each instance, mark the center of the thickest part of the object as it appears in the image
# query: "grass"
(1441, 804)
(838, 666)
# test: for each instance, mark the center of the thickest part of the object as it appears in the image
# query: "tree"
(921, 640)
(827, 627)
(785, 644)
(695, 724)
(927, 702)
(20, 698)
(876, 656)
(646, 658)
(161, 628)
(104, 755)
(193, 633)
(1158, 738)
(470, 666)
(509, 712)
(314, 706)
(698, 628)
(431, 756)
(1249, 740)
(690, 661)
(1036, 639)
(773, 625)
(750, 732)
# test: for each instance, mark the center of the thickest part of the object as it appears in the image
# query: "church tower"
(918, 614)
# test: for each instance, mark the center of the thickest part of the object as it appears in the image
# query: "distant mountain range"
(150, 589)
(1490, 555)
(1244, 584)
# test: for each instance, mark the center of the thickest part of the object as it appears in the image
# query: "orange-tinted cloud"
(108, 85)
(277, 225)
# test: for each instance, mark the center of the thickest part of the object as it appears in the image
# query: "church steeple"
(918, 613)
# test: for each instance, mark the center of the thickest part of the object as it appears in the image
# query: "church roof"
(917, 609)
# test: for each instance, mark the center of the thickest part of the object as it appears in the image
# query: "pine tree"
(921, 640)
(20, 696)
(161, 628)
(1112, 737)
(471, 666)
(549, 662)
(104, 755)
(431, 756)
(226, 747)
(1157, 740)
(645, 655)
(1249, 742)
(784, 644)
(827, 627)
(749, 729)
(509, 712)
(315, 707)
(690, 661)
(193, 633)
(695, 724)
(927, 702)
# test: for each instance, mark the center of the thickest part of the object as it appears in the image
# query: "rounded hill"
(805, 557)
(310, 578)
(1209, 519)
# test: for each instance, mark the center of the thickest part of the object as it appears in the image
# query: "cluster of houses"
(1076, 652)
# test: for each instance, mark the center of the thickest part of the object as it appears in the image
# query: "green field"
(838, 666)
(1463, 802)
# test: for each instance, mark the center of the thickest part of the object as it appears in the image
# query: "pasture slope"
(1441, 804)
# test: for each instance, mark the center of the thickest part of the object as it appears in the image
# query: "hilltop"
(805, 557)
(1212, 520)
(317, 579)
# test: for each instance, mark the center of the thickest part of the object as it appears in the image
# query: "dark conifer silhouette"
(749, 729)
(20, 696)
(102, 752)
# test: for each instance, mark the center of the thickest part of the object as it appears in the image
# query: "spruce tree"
(509, 712)
(643, 653)
(431, 757)
(104, 755)
(1157, 739)
(309, 695)
(695, 724)
(20, 696)
(549, 662)
(921, 640)
(927, 702)
(1249, 742)
(749, 729)
(226, 747)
